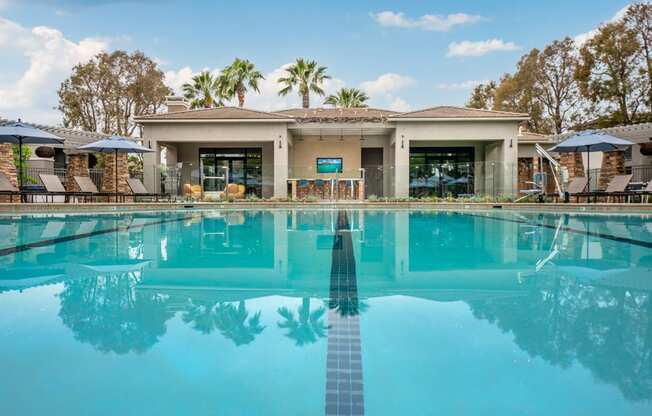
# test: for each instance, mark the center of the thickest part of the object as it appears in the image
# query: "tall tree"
(348, 98)
(239, 76)
(519, 92)
(204, 91)
(482, 96)
(639, 20)
(609, 72)
(555, 81)
(306, 76)
(105, 93)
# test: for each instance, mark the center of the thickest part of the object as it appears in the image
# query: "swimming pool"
(307, 312)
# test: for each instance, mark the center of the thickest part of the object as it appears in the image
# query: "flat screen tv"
(329, 165)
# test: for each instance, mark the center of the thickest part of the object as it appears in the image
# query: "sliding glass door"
(244, 167)
(441, 171)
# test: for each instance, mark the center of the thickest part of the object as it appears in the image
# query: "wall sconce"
(510, 143)
(280, 144)
(402, 142)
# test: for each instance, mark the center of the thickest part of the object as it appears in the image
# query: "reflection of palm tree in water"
(233, 322)
(307, 327)
(107, 312)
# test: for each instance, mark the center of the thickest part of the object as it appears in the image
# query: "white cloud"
(50, 58)
(399, 105)
(460, 86)
(582, 38)
(479, 48)
(386, 84)
(437, 23)
(268, 99)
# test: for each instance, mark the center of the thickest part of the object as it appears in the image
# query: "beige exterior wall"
(499, 138)
(187, 138)
(307, 149)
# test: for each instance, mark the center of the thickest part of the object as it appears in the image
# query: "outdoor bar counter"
(327, 188)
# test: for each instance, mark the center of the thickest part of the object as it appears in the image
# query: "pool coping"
(63, 208)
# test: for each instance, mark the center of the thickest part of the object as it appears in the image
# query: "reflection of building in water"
(565, 294)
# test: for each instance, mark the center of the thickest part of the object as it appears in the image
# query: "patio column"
(77, 166)
(7, 167)
(151, 171)
(281, 166)
(109, 176)
(401, 167)
(572, 162)
(613, 163)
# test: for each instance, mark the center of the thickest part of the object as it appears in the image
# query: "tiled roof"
(218, 113)
(638, 133)
(72, 138)
(458, 112)
(308, 115)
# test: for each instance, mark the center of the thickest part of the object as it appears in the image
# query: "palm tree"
(305, 76)
(307, 328)
(233, 323)
(204, 91)
(348, 98)
(237, 77)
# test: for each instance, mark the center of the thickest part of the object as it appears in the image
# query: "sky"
(406, 55)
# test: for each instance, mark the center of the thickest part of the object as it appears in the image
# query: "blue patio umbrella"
(591, 141)
(20, 133)
(115, 144)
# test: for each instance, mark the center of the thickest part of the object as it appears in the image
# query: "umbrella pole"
(588, 172)
(20, 163)
(116, 176)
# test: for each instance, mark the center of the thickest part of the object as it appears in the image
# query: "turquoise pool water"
(312, 312)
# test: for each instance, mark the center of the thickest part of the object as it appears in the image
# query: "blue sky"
(407, 55)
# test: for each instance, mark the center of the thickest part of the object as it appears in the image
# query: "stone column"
(613, 163)
(8, 168)
(109, 176)
(77, 166)
(572, 162)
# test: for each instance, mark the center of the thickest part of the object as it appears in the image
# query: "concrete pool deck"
(54, 208)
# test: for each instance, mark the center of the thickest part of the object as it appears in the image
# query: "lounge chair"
(54, 187)
(7, 188)
(139, 190)
(577, 187)
(617, 188)
(234, 191)
(646, 193)
(86, 186)
(192, 191)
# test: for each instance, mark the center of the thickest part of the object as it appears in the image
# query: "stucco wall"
(306, 151)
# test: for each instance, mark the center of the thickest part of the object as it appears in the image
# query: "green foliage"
(135, 165)
(26, 155)
(205, 91)
(305, 76)
(105, 93)
(237, 78)
(348, 98)
(482, 96)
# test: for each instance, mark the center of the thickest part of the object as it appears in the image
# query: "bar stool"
(319, 187)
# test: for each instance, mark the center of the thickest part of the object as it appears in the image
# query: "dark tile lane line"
(344, 388)
(640, 243)
(43, 243)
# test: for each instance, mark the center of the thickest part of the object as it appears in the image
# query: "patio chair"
(87, 186)
(139, 190)
(7, 188)
(646, 193)
(54, 187)
(577, 187)
(234, 191)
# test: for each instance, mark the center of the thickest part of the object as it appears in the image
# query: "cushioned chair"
(192, 191)
(235, 191)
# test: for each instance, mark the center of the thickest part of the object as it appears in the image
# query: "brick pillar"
(109, 175)
(613, 163)
(7, 167)
(572, 162)
(77, 166)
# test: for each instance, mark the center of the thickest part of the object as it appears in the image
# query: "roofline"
(512, 118)
(213, 120)
(504, 113)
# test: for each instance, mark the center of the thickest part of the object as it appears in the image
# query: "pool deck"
(44, 208)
